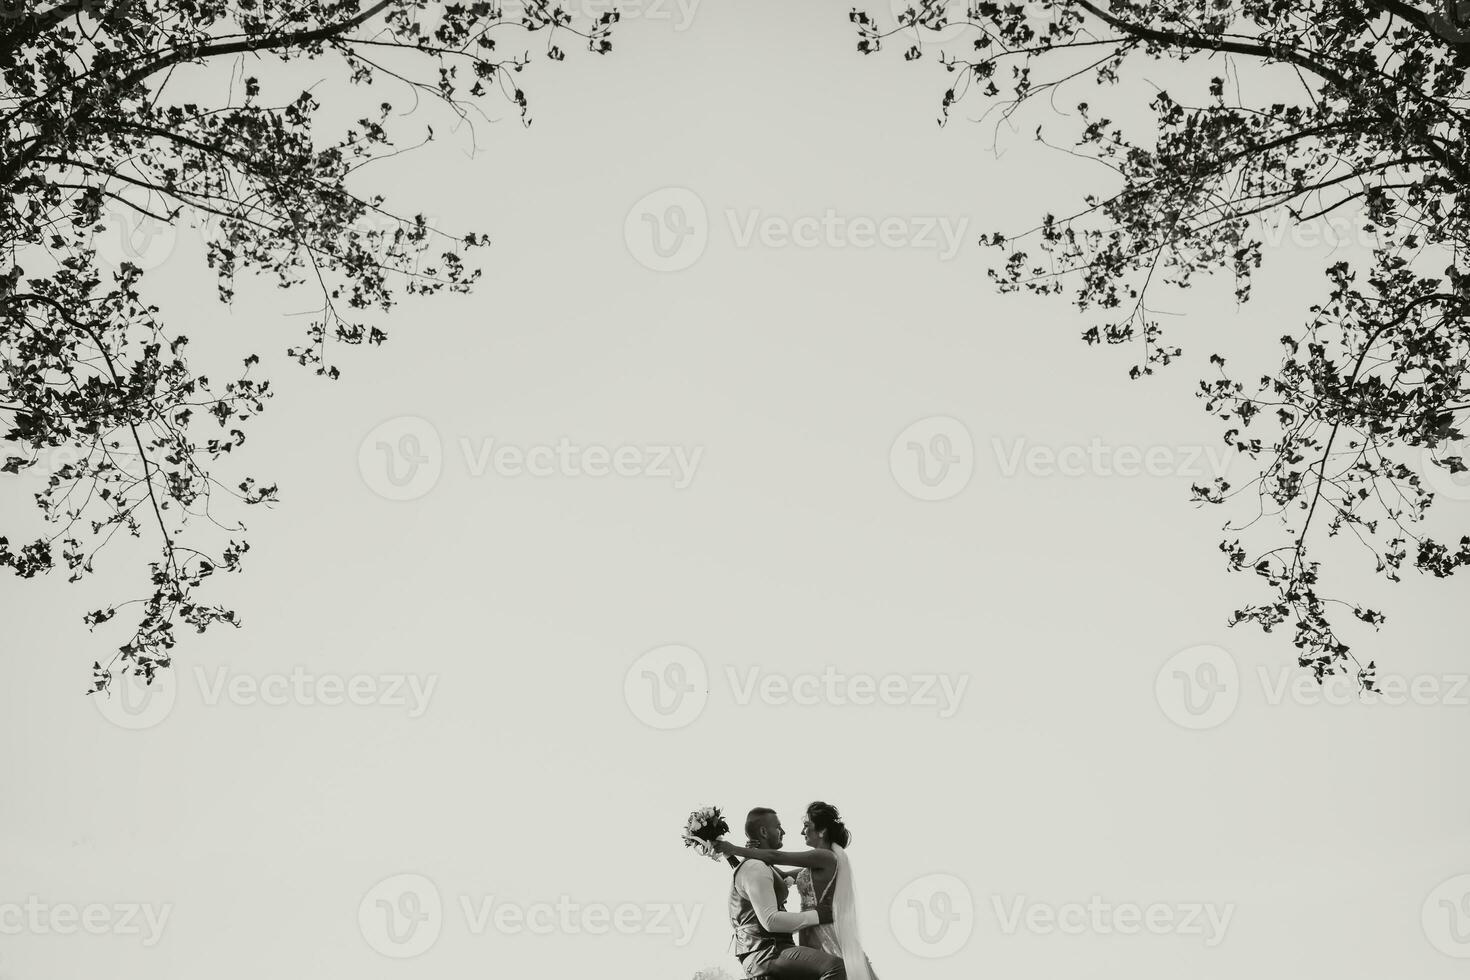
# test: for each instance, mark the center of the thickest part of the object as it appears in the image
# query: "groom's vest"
(750, 935)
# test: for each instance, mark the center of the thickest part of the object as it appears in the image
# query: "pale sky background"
(532, 775)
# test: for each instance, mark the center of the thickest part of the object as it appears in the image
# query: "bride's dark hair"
(824, 817)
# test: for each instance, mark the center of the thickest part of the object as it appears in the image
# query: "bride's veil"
(844, 919)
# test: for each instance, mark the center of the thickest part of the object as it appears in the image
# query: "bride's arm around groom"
(835, 898)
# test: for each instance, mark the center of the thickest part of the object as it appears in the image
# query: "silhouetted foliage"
(105, 115)
(1367, 118)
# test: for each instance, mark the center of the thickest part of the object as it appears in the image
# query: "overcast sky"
(734, 437)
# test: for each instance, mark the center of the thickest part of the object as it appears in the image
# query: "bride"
(824, 881)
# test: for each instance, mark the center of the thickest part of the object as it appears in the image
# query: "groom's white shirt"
(753, 880)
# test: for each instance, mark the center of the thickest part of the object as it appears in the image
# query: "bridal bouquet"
(705, 826)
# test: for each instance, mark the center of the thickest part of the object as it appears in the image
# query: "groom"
(763, 931)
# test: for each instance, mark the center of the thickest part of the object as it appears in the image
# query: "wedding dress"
(841, 938)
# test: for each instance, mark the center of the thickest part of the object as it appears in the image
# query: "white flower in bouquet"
(705, 826)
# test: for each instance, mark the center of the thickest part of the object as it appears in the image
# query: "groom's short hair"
(755, 820)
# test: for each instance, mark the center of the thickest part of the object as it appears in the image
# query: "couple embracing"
(827, 946)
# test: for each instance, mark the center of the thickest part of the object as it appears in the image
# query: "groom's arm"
(756, 880)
